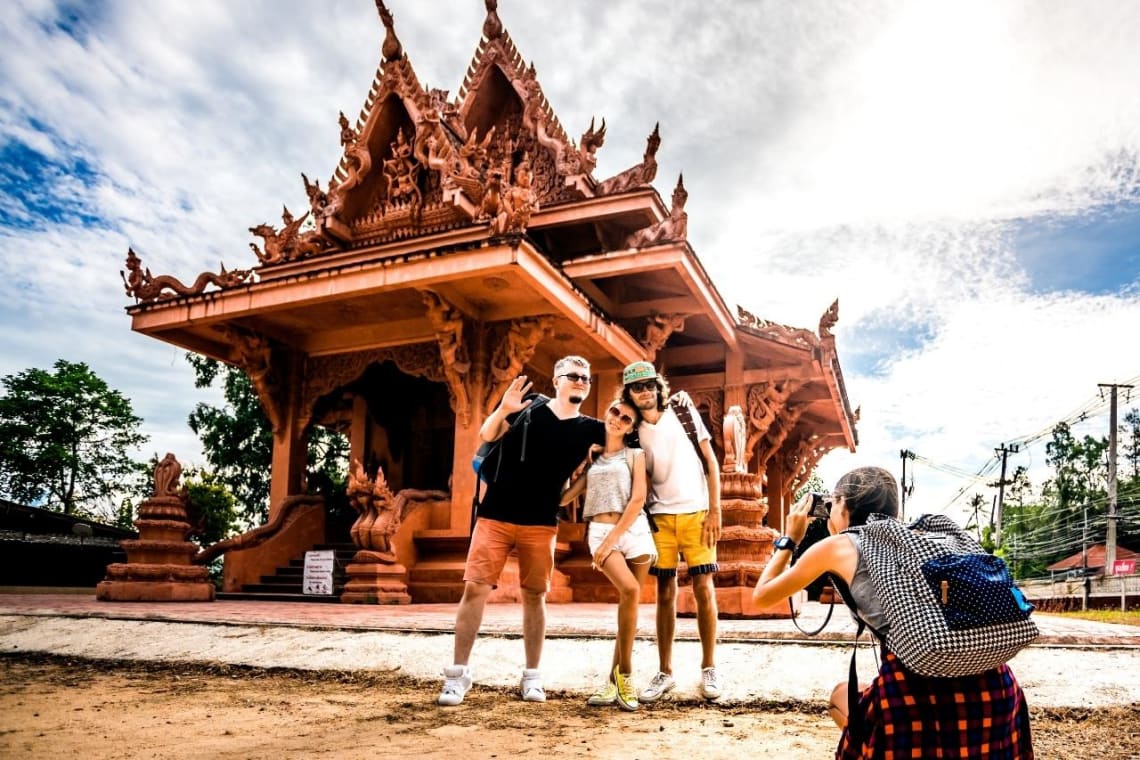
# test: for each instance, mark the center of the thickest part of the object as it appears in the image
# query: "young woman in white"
(618, 536)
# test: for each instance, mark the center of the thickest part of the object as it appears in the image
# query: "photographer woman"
(618, 537)
(903, 714)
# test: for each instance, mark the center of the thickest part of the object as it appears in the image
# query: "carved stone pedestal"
(373, 579)
(744, 549)
(158, 566)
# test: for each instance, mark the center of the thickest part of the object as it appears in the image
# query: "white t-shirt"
(676, 477)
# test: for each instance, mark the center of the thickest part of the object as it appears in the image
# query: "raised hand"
(513, 400)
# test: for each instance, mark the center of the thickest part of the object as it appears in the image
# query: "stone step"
(277, 597)
(278, 586)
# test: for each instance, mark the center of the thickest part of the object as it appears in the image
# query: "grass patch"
(1130, 617)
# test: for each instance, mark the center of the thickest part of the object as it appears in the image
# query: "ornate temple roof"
(485, 201)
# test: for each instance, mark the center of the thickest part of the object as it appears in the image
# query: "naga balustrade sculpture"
(375, 575)
(145, 287)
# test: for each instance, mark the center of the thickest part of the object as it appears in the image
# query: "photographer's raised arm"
(780, 579)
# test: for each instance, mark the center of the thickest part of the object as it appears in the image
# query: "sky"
(964, 177)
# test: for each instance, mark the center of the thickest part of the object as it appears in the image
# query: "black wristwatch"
(783, 542)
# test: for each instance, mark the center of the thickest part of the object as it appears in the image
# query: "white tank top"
(609, 484)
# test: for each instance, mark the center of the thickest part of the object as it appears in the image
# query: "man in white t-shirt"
(685, 509)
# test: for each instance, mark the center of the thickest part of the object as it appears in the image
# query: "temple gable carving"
(417, 162)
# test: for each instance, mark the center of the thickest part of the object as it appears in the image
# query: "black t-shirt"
(528, 492)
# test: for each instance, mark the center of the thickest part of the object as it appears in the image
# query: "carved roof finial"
(680, 194)
(654, 141)
(828, 320)
(492, 27)
(391, 49)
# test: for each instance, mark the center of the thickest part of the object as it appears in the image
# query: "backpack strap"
(854, 719)
(685, 415)
(523, 422)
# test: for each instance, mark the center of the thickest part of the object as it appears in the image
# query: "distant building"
(39, 547)
(1094, 561)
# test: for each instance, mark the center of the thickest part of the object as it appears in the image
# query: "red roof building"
(1095, 559)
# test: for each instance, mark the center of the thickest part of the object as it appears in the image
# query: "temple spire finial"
(492, 27)
(680, 194)
(391, 49)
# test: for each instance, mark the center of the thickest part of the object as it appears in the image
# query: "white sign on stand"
(318, 577)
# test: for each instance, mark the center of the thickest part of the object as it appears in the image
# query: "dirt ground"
(53, 707)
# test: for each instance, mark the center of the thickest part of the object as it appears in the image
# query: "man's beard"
(649, 403)
(577, 399)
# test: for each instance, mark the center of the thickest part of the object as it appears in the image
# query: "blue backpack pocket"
(975, 590)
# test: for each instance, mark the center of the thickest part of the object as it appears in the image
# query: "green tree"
(238, 443)
(212, 506)
(64, 440)
(1130, 442)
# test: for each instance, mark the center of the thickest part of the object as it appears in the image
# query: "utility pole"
(1085, 582)
(905, 454)
(1110, 535)
(1002, 452)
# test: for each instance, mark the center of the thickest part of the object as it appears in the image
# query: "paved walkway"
(1074, 663)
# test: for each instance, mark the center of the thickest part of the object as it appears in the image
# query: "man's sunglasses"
(643, 385)
(614, 411)
(574, 377)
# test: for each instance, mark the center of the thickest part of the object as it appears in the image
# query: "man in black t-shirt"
(519, 513)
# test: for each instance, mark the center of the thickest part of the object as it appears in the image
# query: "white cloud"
(879, 152)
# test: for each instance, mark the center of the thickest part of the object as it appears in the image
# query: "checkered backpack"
(953, 609)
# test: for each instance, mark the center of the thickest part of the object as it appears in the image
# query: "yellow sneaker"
(626, 695)
(605, 696)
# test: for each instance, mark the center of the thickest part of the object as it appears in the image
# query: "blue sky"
(964, 177)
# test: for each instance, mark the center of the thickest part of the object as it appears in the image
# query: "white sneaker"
(531, 686)
(456, 682)
(657, 688)
(710, 683)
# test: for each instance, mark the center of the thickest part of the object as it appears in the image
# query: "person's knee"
(628, 590)
(703, 589)
(475, 592)
(533, 597)
(837, 704)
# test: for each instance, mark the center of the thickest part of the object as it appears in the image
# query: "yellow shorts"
(680, 536)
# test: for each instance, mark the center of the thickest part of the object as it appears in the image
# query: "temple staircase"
(284, 585)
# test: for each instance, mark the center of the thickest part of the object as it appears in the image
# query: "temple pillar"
(777, 508)
(358, 430)
(289, 444)
(457, 521)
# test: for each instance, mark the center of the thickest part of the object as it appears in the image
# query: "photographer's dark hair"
(662, 394)
(867, 490)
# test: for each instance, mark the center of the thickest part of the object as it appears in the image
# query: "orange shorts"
(492, 542)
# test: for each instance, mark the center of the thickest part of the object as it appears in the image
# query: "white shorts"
(637, 541)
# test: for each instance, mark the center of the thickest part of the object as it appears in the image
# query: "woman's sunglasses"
(617, 412)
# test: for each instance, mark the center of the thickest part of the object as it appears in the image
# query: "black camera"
(820, 506)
